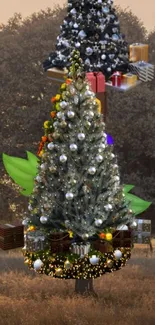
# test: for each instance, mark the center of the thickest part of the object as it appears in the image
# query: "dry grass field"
(124, 297)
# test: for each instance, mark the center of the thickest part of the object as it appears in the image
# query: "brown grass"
(124, 297)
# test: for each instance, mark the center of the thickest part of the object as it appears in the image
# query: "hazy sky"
(145, 10)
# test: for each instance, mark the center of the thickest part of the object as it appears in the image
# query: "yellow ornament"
(67, 265)
(41, 153)
(70, 234)
(31, 228)
(57, 97)
(58, 271)
(46, 124)
(109, 263)
(63, 86)
(57, 106)
(99, 105)
(108, 236)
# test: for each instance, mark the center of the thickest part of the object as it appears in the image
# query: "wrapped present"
(129, 78)
(116, 79)
(11, 236)
(102, 97)
(142, 232)
(60, 242)
(122, 238)
(80, 248)
(57, 74)
(97, 81)
(144, 70)
(34, 242)
(102, 246)
(138, 52)
(92, 80)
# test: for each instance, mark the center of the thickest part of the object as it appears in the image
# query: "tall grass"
(124, 297)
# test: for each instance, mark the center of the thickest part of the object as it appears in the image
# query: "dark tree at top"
(93, 28)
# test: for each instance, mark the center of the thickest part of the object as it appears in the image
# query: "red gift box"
(116, 79)
(97, 81)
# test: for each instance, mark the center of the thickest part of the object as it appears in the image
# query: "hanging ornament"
(63, 158)
(117, 254)
(84, 236)
(81, 136)
(87, 61)
(38, 178)
(73, 11)
(115, 37)
(92, 170)
(94, 260)
(133, 224)
(108, 236)
(67, 265)
(25, 222)
(102, 235)
(58, 272)
(103, 56)
(37, 264)
(98, 222)
(82, 34)
(63, 124)
(73, 147)
(99, 158)
(43, 166)
(50, 146)
(89, 51)
(43, 219)
(109, 263)
(75, 25)
(76, 100)
(59, 115)
(69, 196)
(63, 104)
(108, 207)
(109, 69)
(70, 114)
(77, 44)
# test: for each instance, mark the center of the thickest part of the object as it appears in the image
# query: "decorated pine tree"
(93, 28)
(77, 201)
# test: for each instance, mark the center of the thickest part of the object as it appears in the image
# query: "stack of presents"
(13, 236)
(140, 69)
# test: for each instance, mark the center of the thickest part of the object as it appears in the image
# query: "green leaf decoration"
(136, 204)
(128, 188)
(22, 171)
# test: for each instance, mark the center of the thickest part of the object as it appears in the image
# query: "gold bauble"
(109, 263)
(58, 271)
(108, 236)
(67, 265)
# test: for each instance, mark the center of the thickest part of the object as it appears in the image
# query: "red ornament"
(102, 235)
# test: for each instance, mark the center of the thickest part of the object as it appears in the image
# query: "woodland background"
(25, 94)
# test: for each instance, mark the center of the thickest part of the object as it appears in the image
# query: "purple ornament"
(110, 140)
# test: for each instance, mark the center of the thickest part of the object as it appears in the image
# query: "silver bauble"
(92, 170)
(133, 224)
(50, 146)
(98, 222)
(63, 158)
(89, 51)
(37, 264)
(87, 61)
(108, 207)
(38, 179)
(103, 56)
(25, 222)
(43, 219)
(82, 34)
(69, 196)
(116, 178)
(70, 114)
(115, 37)
(77, 44)
(63, 104)
(94, 260)
(43, 166)
(75, 25)
(73, 11)
(73, 147)
(60, 114)
(81, 136)
(118, 254)
(99, 158)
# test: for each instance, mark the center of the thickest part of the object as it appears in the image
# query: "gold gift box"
(129, 78)
(138, 52)
(57, 74)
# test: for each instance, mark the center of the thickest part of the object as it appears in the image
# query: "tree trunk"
(84, 287)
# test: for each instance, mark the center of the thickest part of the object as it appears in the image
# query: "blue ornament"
(110, 140)
(105, 10)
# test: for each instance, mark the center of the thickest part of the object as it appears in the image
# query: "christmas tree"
(93, 28)
(77, 199)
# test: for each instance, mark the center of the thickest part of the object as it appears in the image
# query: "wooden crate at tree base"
(60, 242)
(122, 238)
(11, 236)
